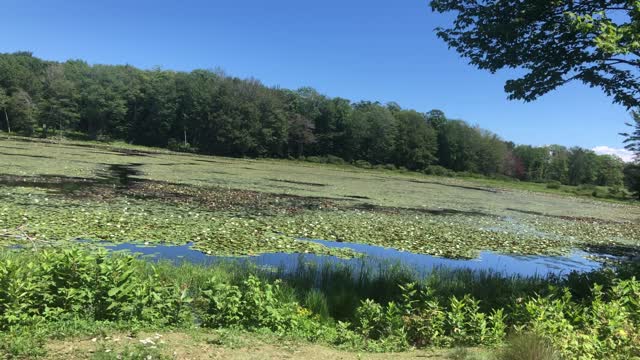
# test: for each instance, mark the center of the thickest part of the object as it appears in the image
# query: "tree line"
(212, 113)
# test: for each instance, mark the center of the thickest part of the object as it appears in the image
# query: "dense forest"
(212, 113)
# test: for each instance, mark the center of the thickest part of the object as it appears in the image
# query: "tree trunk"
(6, 117)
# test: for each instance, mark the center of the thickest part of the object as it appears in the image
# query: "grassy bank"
(74, 292)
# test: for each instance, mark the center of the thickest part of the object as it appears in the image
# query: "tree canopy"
(553, 42)
(212, 113)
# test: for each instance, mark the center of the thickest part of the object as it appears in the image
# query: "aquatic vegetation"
(239, 206)
(218, 224)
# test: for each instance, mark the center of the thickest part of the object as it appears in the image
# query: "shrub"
(381, 326)
(529, 347)
(88, 285)
(316, 159)
(438, 170)
(586, 187)
(180, 146)
(331, 159)
(362, 164)
(554, 185)
(616, 191)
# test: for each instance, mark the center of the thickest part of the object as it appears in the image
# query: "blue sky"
(357, 49)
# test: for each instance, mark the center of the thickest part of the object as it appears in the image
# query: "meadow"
(57, 293)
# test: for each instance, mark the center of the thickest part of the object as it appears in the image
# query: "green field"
(55, 191)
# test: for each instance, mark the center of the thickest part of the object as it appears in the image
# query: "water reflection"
(487, 261)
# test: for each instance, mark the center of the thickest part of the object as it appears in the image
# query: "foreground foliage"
(63, 291)
(554, 42)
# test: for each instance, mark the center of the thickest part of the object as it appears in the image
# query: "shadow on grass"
(440, 212)
(298, 182)
(31, 156)
(565, 217)
(122, 175)
(62, 184)
(494, 191)
(119, 175)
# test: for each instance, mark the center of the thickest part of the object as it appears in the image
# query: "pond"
(508, 265)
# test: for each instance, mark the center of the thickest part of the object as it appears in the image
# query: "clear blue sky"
(357, 49)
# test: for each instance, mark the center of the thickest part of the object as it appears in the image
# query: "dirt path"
(199, 346)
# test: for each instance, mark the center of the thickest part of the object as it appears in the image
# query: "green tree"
(23, 111)
(491, 153)
(377, 145)
(558, 167)
(58, 107)
(300, 133)
(632, 178)
(158, 111)
(554, 42)
(582, 166)
(4, 103)
(632, 139)
(416, 142)
(609, 171)
(457, 145)
(535, 161)
(436, 118)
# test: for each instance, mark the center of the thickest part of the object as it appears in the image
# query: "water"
(520, 265)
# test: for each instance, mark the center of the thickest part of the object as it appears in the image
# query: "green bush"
(438, 170)
(529, 347)
(554, 185)
(316, 159)
(586, 187)
(180, 146)
(89, 285)
(362, 164)
(331, 159)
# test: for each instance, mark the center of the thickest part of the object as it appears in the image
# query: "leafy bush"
(253, 305)
(362, 164)
(336, 160)
(438, 170)
(316, 159)
(607, 327)
(91, 285)
(586, 187)
(554, 185)
(180, 146)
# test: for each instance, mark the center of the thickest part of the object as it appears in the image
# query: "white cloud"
(624, 154)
